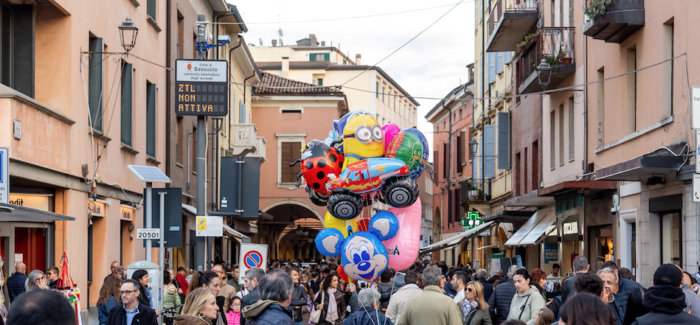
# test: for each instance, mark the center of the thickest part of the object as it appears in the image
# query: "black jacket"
(145, 316)
(499, 303)
(15, 285)
(493, 279)
(248, 300)
(220, 301)
(666, 304)
(623, 293)
(567, 288)
(273, 315)
(385, 290)
(298, 299)
(366, 316)
(488, 288)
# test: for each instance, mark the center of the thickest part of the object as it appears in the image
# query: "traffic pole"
(201, 159)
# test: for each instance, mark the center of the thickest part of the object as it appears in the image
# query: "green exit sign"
(472, 220)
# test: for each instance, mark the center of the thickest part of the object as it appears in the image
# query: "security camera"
(223, 39)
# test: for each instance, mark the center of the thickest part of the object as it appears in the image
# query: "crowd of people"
(292, 293)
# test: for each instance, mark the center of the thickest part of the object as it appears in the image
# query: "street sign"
(247, 184)
(695, 108)
(148, 233)
(252, 255)
(697, 151)
(201, 87)
(4, 175)
(696, 188)
(172, 231)
(210, 226)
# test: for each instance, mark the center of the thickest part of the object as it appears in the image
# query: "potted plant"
(564, 55)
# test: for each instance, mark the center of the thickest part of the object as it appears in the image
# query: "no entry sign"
(252, 256)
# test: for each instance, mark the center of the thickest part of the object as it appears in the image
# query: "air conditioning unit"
(314, 81)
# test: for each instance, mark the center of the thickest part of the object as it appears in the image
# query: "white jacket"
(399, 300)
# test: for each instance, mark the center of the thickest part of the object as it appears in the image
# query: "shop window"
(671, 238)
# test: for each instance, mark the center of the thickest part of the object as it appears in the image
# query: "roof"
(447, 97)
(301, 65)
(271, 84)
(234, 10)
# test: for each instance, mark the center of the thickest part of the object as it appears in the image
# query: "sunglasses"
(470, 289)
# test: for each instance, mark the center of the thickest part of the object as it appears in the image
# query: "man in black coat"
(580, 265)
(666, 299)
(499, 303)
(275, 297)
(481, 275)
(252, 279)
(299, 295)
(139, 314)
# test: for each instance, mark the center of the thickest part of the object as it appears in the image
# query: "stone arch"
(295, 202)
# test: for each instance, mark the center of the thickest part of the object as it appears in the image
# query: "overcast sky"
(430, 66)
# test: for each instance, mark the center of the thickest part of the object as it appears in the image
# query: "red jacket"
(183, 283)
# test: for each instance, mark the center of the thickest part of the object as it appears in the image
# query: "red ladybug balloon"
(318, 160)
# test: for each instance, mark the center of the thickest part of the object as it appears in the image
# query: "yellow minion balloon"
(346, 227)
(362, 138)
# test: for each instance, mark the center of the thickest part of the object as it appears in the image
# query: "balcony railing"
(244, 135)
(509, 22)
(260, 148)
(553, 44)
(622, 18)
(475, 190)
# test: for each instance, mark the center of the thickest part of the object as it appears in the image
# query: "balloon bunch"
(360, 162)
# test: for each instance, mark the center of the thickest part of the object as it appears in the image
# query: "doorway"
(671, 238)
(28, 243)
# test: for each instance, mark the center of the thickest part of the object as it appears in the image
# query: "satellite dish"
(280, 32)
(281, 42)
(261, 43)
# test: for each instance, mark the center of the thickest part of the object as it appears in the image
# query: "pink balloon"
(390, 131)
(403, 248)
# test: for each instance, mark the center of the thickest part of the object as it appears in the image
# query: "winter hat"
(668, 274)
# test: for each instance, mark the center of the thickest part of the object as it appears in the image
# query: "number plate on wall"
(148, 233)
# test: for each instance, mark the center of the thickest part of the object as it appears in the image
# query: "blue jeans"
(298, 323)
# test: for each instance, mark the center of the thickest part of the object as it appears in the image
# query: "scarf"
(467, 306)
(332, 313)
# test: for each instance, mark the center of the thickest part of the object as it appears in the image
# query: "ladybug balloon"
(318, 160)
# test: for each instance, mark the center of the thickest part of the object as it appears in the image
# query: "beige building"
(367, 89)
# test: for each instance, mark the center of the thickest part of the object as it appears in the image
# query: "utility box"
(240, 188)
(154, 275)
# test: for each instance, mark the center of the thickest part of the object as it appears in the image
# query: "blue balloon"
(364, 257)
(384, 225)
(329, 242)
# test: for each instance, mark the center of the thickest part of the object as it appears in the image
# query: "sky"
(430, 66)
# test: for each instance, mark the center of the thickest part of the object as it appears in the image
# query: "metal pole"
(161, 249)
(201, 160)
(149, 216)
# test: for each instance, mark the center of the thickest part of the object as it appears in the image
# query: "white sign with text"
(148, 233)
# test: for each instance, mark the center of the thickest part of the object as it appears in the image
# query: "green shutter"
(127, 102)
(95, 83)
(327, 56)
(151, 120)
(312, 57)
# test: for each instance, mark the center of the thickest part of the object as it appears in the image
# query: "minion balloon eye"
(377, 133)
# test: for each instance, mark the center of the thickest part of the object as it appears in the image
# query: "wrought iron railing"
(476, 190)
(509, 5)
(553, 44)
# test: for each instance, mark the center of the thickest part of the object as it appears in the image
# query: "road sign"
(695, 108)
(201, 87)
(4, 175)
(252, 255)
(148, 233)
(696, 188)
(210, 226)
(252, 259)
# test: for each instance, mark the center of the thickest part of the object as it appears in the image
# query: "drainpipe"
(216, 32)
(168, 87)
(585, 142)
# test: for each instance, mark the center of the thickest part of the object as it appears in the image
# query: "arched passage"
(293, 222)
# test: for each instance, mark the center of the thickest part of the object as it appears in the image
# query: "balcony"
(244, 136)
(556, 46)
(475, 191)
(260, 149)
(510, 21)
(622, 18)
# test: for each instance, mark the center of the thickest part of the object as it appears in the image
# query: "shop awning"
(189, 209)
(452, 241)
(534, 228)
(18, 213)
(236, 235)
(657, 163)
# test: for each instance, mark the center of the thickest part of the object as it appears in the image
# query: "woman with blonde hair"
(475, 310)
(200, 308)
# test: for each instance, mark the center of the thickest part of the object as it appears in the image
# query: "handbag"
(316, 314)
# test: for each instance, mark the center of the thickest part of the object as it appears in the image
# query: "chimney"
(323, 43)
(358, 59)
(471, 72)
(312, 38)
(285, 66)
(274, 42)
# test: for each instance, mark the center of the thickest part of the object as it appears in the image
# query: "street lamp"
(544, 67)
(473, 146)
(128, 32)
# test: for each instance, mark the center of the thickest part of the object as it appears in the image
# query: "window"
(180, 140)
(436, 163)
(561, 134)
(552, 134)
(632, 90)
(345, 62)
(394, 101)
(460, 114)
(242, 112)
(458, 158)
(377, 91)
(668, 53)
(469, 145)
(95, 84)
(151, 8)
(444, 160)
(127, 97)
(571, 128)
(290, 151)
(526, 173)
(180, 35)
(444, 125)
(7, 44)
(503, 140)
(319, 82)
(601, 108)
(151, 119)
(535, 154)
(319, 56)
(520, 186)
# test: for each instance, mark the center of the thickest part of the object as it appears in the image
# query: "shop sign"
(472, 220)
(39, 202)
(210, 226)
(570, 228)
(126, 213)
(552, 231)
(551, 253)
(97, 209)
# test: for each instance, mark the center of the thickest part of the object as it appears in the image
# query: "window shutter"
(458, 156)
(151, 120)
(290, 152)
(95, 84)
(503, 140)
(436, 163)
(444, 160)
(241, 112)
(469, 146)
(492, 67)
(463, 147)
(489, 151)
(481, 72)
(507, 57)
(151, 9)
(312, 57)
(327, 56)
(127, 104)
(499, 62)
(481, 157)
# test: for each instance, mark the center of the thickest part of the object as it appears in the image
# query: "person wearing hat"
(666, 299)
